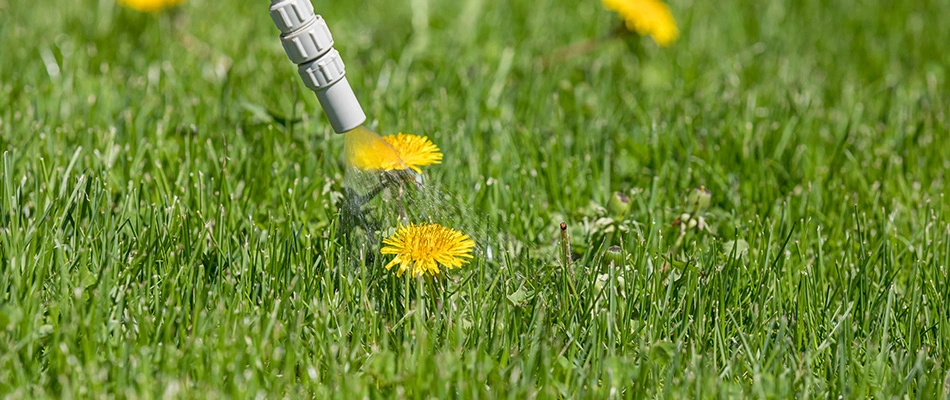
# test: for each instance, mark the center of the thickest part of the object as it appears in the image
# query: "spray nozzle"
(309, 44)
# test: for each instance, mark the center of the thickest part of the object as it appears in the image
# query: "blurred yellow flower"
(368, 152)
(150, 5)
(647, 17)
(420, 249)
(414, 151)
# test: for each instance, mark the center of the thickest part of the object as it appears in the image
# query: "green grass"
(165, 231)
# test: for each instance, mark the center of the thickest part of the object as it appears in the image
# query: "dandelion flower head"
(414, 151)
(422, 248)
(647, 17)
(150, 5)
(368, 152)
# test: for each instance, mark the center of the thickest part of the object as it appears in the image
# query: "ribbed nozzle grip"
(308, 43)
(291, 15)
(323, 72)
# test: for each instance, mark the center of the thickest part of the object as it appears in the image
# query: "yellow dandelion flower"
(414, 151)
(421, 248)
(150, 5)
(368, 152)
(647, 17)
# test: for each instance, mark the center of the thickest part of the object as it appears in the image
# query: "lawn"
(171, 198)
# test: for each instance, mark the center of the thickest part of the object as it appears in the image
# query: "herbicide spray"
(395, 191)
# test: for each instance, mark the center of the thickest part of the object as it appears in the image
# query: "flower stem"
(566, 256)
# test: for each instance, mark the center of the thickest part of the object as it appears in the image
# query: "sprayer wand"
(308, 43)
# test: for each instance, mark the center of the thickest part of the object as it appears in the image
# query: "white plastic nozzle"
(342, 109)
(309, 44)
(327, 76)
(323, 72)
(291, 15)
